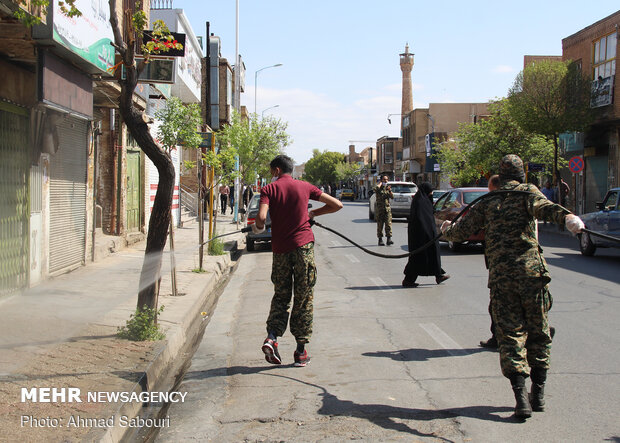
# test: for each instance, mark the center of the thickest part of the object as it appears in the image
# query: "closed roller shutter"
(14, 214)
(68, 197)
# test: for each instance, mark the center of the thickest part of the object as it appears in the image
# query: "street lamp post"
(262, 115)
(256, 80)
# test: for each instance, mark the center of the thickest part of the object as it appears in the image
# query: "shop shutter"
(68, 197)
(14, 213)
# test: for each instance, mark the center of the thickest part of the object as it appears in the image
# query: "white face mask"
(273, 179)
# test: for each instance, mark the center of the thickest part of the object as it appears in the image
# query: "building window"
(604, 57)
(388, 153)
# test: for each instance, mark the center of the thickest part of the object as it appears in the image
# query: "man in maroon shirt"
(292, 242)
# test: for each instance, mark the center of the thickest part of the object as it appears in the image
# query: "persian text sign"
(89, 35)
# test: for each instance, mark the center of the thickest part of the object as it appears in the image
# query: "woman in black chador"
(420, 230)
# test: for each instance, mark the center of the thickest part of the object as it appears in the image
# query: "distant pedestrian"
(231, 198)
(293, 268)
(224, 191)
(420, 230)
(548, 191)
(247, 196)
(383, 211)
(518, 277)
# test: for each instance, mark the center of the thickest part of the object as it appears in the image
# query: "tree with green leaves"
(346, 172)
(322, 168)
(549, 98)
(179, 125)
(477, 148)
(256, 141)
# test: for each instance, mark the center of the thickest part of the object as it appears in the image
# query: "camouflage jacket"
(383, 197)
(509, 221)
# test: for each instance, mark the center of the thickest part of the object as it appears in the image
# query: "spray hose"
(433, 240)
(313, 222)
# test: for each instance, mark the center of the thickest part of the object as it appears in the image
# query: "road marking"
(378, 281)
(444, 340)
(353, 258)
(336, 243)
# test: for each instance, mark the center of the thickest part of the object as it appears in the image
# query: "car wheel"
(586, 246)
(250, 244)
(454, 246)
(371, 215)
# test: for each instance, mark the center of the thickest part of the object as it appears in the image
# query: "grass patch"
(216, 247)
(142, 326)
(199, 271)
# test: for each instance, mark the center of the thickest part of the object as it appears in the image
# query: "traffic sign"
(575, 164)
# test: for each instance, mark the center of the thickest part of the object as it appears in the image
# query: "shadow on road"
(416, 354)
(385, 416)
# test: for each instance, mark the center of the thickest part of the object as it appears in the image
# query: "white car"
(400, 204)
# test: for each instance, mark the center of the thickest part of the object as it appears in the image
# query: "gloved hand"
(257, 230)
(445, 226)
(574, 224)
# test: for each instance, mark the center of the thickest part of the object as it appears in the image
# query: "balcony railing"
(161, 4)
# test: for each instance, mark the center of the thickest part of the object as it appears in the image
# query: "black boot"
(389, 241)
(490, 343)
(537, 397)
(523, 409)
(381, 241)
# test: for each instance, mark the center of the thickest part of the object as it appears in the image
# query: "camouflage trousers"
(522, 327)
(293, 271)
(384, 218)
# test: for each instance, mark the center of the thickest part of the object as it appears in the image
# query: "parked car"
(400, 204)
(606, 221)
(252, 213)
(437, 194)
(347, 194)
(451, 203)
(338, 193)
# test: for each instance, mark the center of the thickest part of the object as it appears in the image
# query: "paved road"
(395, 364)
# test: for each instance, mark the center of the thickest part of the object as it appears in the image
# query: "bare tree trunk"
(160, 215)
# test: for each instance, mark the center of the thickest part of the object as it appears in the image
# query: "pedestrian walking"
(420, 230)
(231, 199)
(293, 268)
(383, 211)
(224, 191)
(548, 192)
(518, 277)
(247, 196)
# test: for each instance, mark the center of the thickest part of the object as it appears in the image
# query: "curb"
(164, 371)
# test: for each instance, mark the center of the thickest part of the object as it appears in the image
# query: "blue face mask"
(273, 179)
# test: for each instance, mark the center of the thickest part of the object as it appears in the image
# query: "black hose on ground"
(433, 240)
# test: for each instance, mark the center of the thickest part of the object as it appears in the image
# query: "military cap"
(511, 167)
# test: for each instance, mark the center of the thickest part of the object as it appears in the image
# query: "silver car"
(400, 204)
(606, 221)
(252, 213)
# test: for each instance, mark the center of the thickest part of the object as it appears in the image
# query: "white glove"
(257, 230)
(445, 226)
(574, 224)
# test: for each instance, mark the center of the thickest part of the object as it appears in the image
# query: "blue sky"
(341, 77)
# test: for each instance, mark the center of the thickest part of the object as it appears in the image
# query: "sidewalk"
(61, 334)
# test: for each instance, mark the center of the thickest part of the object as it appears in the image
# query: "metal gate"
(68, 197)
(14, 208)
(134, 201)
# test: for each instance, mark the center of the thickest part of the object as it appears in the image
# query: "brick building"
(595, 48)
(424, 128)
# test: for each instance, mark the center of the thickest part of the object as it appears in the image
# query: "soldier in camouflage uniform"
(518, 276)
(383, 212)
(293, 271)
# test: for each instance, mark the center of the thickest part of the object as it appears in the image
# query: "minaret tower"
(406, 65)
